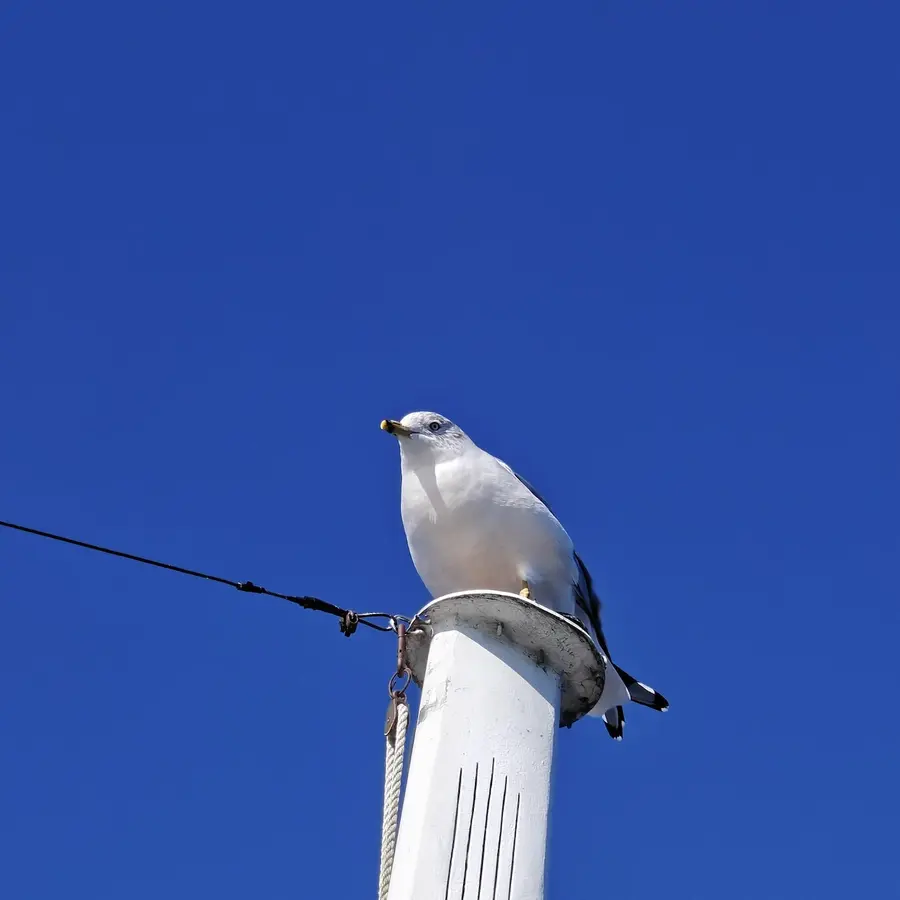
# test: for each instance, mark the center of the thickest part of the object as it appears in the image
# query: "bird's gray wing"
(586, 598)
(529, 486)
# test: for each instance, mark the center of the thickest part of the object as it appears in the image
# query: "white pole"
(499, 674)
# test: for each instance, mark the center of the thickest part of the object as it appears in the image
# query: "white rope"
(395, 746)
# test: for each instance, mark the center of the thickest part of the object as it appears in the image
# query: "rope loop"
(395, 727)
(400, 692)
(395, 746)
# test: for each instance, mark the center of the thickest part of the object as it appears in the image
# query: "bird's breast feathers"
(463, 515)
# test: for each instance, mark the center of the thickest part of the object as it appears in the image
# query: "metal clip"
(401, 648)
(403, 670)
(349, 622)
(390, 720)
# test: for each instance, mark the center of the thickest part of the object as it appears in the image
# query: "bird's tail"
(642, 693)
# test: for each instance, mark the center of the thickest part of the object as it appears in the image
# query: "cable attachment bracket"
(403, 674)
(349, 622)
(248, 587)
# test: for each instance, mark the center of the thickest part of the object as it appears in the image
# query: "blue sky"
(645, 252)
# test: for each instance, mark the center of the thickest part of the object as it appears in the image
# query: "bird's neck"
(416, 456)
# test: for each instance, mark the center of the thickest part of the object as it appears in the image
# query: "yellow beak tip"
(385, 425)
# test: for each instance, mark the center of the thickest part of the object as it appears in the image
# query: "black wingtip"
(616, 729)
(654, 701)
(642, 693)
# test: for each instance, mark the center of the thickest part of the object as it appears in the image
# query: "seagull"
(471, 521)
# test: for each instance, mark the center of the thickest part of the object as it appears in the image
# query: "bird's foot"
(526, 591)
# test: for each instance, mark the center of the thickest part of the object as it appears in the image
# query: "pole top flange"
(550, 639)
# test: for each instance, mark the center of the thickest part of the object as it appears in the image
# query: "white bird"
(470, 521)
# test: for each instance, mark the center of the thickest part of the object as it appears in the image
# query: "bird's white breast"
(470, 524)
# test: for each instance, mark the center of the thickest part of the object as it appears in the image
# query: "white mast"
(499, 674)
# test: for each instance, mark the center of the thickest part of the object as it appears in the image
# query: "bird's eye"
(434, 426)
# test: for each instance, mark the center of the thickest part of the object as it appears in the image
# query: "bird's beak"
(395, 428)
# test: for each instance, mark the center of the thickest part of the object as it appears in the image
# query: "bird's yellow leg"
(526, 591)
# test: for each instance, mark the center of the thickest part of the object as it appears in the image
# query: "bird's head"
(427, 436)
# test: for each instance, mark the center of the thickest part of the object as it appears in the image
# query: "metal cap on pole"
(499, 674)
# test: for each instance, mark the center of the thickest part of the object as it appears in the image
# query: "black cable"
(349, 619)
